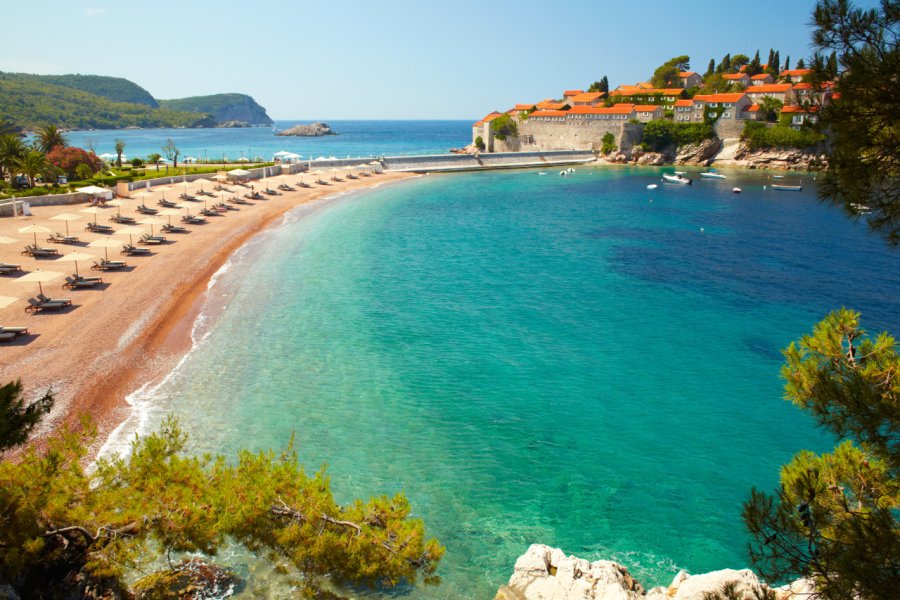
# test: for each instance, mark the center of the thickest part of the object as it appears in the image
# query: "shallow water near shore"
(576, 361)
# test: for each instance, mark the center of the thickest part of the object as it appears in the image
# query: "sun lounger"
(109, 265)
(151, 239)
(7, 268)
(35, 305)
(8, 334)
(96, 228)
(166, 203)
(224, 206)
(88, 278)
(285, 187)
(303, 184)
(75, 283)
(122, 220)
(36, 252)
(189, 197)
(174, 229)
(43, 298)
(133, 250)
(58, 238)
(193, 220)
(204, 193)
(269, 192)
(7, 337)
(146, 210)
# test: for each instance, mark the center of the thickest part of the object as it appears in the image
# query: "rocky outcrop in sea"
(314, 130)
(545, 573)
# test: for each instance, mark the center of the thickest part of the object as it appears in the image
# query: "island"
(314, 130)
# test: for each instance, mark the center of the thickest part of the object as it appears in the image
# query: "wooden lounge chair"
(35, 305)
(64, 301)
(166, 203)
(58, 238)
(146, 210)
(109, 265)
(8, 334)
(152, 239)
(204, 193)
(269, 192)
(36, 252)
(193, 219)
(189, 197)
(285, 187)
(97, 228)
(303, 184)
(133, 250)
(9, 268)
(73, 283)
(122, 220)
(7, 337)
(174, 229)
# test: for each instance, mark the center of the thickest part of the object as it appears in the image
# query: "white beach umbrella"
(6, 301)
(39, 277)
(105, 243)
(130, 231)
(66, 216)
(151, 221)
(35, 229)
(75, 257)
(7, 240)
(94, 210)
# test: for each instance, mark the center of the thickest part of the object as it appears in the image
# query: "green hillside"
(222, 107)
(116, 89)
(29, 101)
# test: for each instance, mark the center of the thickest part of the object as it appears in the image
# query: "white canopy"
(107, 155)
(238, 173)
(93, 190)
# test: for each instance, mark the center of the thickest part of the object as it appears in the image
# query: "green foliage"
(609, 143)
(754, 67)
(222, 107)
(17, 418)
(68, 160)
(864, 156)
(800, 64)
(479, 142)
(59, 519)
(120, 148)
(12, 148)
(48, 137)
(725, 65)
(171, 152)
(32, 102)
(711, 68)
(600, 86)
(771, 108)
(759, 136)
(83, 171)
(33, 164)
(137, 162)
(666, 75)
(716, 83)
(116, 89)
(659, 135)
(834, 517)
(738, 61)
(504, 126)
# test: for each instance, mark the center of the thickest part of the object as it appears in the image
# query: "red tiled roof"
(793, 72)
(615, 109)
(524, 106)
(544, 103)
(769, 88)
(753, 108)
(647, 108)
(587, 97)
(760, 77)
(568, 93)
(733, 76)
(735, 97)
(478, 124)
(553, 106)
(687, 102)
(794, 108)
(549, 113)
(686, 73)
(492, 116)
(634, 91)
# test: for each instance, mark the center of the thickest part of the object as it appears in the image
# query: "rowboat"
(787, 188)
(712, 175)
(677, 178)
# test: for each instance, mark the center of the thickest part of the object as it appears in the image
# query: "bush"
(659, 135)
(69, 159)
(479, 143)
(758, 136)
(504, 126)
(136, 162)
(609, 143)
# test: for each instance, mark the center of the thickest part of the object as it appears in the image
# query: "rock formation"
(698, 154)
(775, 158)
(314, 130)
(545, 573)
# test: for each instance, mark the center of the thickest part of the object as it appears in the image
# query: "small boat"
(787, 188)
(736, 190)
(777, 176)
(541, 173)
(712, 175)
(678, 177)
(652, 186)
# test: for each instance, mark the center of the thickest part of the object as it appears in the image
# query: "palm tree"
(120, 147)
(49, 137)
(12, 148)
(32, 164)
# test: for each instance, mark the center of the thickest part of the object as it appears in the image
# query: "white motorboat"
(678, 178)
(712, 175)
(652, 186)
(787, 188)
(736, 190)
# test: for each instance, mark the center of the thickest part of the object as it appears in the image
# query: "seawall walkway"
(485, 162)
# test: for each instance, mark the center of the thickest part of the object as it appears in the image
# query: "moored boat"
(712, 175)
(787, 188)
(678, 177)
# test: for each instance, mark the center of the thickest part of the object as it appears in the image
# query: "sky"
(403, 59)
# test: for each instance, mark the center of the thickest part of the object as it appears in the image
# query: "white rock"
(694, 587)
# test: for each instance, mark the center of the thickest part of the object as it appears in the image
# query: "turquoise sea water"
(356, 138)
(575, 361)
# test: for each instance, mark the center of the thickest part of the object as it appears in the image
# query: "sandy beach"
(133, 328)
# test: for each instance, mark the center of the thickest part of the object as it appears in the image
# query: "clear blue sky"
(404, 59)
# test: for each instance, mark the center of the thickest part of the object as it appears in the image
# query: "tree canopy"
(864, 159)
(834, 518)
(666, 75)
(17, 418)
(504, 126)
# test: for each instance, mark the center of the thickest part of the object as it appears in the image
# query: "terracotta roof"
(687, 102)
(492, 116)
(686, 73)
(733, 76)
(735, 97)
(478, 124)
(553, 106)
(647, 108)
(753, 108)
(524, 106)
(632, 91)
(793, 72)
(549, 113)
(645, 85)
(587, 97)
(568, 93)
(768, 88)
(760, 77)
(615, 109)
(794, 108)
(544, 103)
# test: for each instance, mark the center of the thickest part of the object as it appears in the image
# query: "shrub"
(136, 162)
(504, 126)
(609, 143)
(658, 135)
(68, 159)
(83, 171)
(479, 143)
(758, 136)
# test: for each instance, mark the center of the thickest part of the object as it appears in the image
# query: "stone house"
(795, 75)
(649, 112)
(800, 115)
(726, 107)
(737, 79)
(780, 91)
(690, 79)
(587, 99)
(762, 79)
(684, 111)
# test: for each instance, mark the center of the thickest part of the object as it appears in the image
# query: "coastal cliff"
(720, 153)
(222, 108)
(545, 573)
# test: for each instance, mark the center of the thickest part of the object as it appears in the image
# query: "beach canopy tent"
(238, 173)
(98, 192)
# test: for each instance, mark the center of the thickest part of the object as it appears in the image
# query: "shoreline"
(134, 332)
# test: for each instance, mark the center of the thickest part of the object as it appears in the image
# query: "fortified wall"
(543, 136)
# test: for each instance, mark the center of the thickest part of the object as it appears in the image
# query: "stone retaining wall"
(6, 209)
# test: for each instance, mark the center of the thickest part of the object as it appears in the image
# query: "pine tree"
(16, 418)
(711, 68)
(787, 63)
(755, 66)
(801, 64)
(834, 517)
(775, 66)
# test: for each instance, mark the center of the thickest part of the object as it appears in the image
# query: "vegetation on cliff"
(222, 108)
(659, 135)
(116, 89)
(60, 522)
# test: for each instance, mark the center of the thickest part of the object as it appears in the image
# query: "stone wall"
(6, 209)
(571, 135)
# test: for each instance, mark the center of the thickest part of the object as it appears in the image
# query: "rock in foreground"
(314, 130)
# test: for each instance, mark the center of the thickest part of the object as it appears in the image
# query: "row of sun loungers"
(97, 228)
(152, 239)
(38, 252)
(8, 334)
(122, 220)
(43, 303)
(77, 281)
(58, 238)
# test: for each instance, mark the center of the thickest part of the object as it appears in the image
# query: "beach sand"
(134, 328)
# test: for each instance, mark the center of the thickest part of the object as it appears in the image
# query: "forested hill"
(116, 89)
(223, 108)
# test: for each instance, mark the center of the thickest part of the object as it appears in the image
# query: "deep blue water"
(355, 138)
(575, 361)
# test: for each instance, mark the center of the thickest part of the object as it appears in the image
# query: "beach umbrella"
(151, 221)
(118, 204)
(130, 231)
(93, 190)
(75, 257)
(35, 229)
(141, 194)
(94, 210)
(221, 177)
(169, 212)
(7, 240)
(6, 301)
(39, 277)
(105, 243)
(66, 216)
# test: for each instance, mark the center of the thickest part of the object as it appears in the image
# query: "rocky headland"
(545, 573)
(313, 130)
(716, 152)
